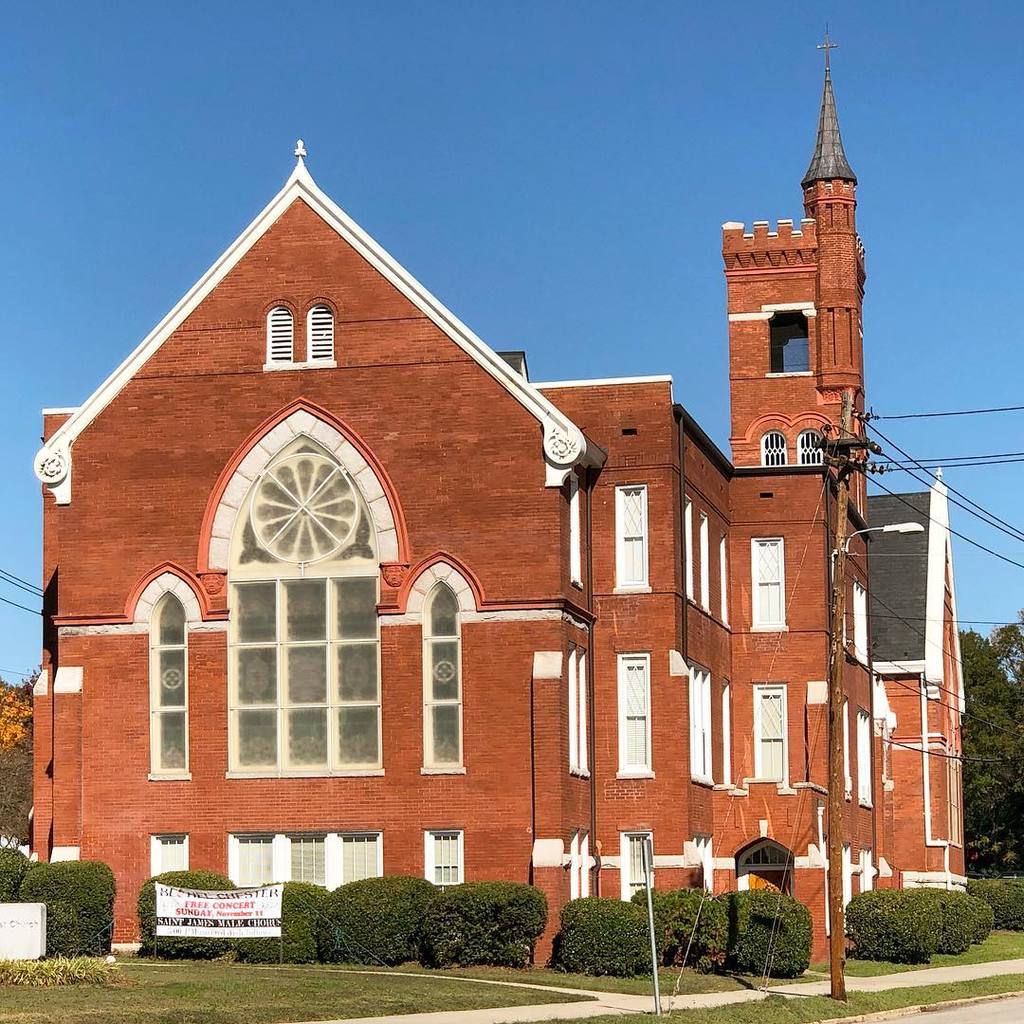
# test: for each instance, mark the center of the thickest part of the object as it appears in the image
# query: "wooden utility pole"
(840, 460)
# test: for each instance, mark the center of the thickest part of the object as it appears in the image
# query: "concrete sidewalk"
(616, 1003)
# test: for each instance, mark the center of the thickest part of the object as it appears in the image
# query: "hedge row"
(741, 931)
(79, 898)
(1005, 897)
(907, 926)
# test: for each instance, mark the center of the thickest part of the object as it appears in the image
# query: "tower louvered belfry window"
(320, 334)
(280, 335)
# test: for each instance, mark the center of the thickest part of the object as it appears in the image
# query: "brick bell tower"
(794, 301)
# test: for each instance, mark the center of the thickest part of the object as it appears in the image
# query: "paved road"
(1002, 1011)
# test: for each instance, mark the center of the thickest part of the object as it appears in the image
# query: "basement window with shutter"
(280, 337)
(320, 335)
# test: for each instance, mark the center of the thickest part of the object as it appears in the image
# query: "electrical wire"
(24, 608)
(9, 577)
(955, 412)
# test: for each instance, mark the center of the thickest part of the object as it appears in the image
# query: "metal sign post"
(648, 864)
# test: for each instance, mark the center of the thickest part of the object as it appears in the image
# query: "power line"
(968, 758)
(24, 608)
(956, 412)
(956, 533)
(20, 586)
(935, 464)
(19, 582)
(924, 618)
(991, 520)
(15, 672)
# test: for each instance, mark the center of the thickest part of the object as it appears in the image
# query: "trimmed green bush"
(79, 898)
(603, 937)
(13, 865)
(494, 923)
(675, 916)
(301, 907)
(1005, 897)
(959, 920)
(984, 919)
(900, 926)
(374, 921)
(768, 931)
(180, 949)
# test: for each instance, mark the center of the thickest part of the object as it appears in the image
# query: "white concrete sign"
(22, 931)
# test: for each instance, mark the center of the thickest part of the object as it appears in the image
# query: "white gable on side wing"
(563, 443)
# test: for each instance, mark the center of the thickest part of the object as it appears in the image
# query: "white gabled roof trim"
(564, 444)
(598, 382)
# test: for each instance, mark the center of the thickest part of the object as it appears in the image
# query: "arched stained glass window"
(808, 451)
(168, 688)
(773, 449)
(304, 675)
(442, 680)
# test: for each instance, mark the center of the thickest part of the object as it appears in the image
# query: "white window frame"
(156, 847)
(622, 582)
(807, 452)
(626, 768)
(157, 771)
(280, 855)
(860, 623)
(848, 778)
(573, 716)
(772, 454)
(272, 362)
(863, 758)
(430, 763)
(867, 871)
(627, 884)
(762, 690)
(584, 839)
(723, 574)
(847, 875)
(756, 583)
(705, 563)
(704, 845)
(727, 733)
(428, 854)
(335, 849)
(574, 865)
(281, 852)
(575, 533)
(688, 546)
(321, 360)
(701, 767)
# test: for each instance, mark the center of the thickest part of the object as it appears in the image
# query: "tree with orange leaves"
(15, 762)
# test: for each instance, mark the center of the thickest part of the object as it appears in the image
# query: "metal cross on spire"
(827, 45)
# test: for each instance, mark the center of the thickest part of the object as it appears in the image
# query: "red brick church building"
(333, 589)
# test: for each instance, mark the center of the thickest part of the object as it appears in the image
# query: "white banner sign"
(232, 914)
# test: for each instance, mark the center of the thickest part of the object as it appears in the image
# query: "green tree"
(993, 744)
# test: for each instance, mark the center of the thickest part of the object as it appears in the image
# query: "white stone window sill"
(640, 588)
(579, 773)
(778, 628)
(170, 777)
(578, 584)
(637, 774)
(311, 364)
(350, 773)
(865, 803)
(792, 373)
(443, 771)
(700, 781)
(764, 782)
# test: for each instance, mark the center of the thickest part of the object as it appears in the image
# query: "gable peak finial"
(300, 149)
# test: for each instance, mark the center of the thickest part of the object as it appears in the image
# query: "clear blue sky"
(557, 173)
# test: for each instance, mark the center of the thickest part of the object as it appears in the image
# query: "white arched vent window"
(773, 449)
(168, 688)
(280, 335)
(320, 334)
(442, 680)
(304, 665)
(807, 451)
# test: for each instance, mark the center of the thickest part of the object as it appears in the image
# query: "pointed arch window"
(773, 449)
(304, 662)
(280, 335)
(320, 334)
(442, 680)
(808, 450)
(168, 688)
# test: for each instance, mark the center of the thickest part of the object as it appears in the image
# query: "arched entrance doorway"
(765, 865)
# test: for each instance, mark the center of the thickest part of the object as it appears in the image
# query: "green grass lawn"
(998, 946)
(216, 993)
(796, 1010)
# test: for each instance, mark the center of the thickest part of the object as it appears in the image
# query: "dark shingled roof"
(899, 585)
(829, 162)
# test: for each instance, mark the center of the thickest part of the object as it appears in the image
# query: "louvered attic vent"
(320, 332)
(280, 335)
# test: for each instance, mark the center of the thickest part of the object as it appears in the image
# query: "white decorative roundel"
(304, 508)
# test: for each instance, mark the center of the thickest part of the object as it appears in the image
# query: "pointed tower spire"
(829, 161)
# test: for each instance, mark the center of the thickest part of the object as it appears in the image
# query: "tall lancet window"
(442, 680)
(168, 688)
(304, 667)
